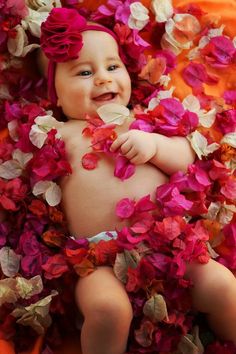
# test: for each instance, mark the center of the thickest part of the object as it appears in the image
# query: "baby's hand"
(137, 146)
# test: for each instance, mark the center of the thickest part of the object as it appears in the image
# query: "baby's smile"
(105, 97)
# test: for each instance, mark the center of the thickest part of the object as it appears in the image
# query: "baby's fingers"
(120, 140)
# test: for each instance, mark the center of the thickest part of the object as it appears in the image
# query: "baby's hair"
(42, 63)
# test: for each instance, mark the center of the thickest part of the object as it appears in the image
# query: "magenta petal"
(144, 204)
(125, 208)
(195, 75)
(140, 124)
(123, 168)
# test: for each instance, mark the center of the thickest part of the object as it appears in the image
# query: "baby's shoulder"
(72, 128)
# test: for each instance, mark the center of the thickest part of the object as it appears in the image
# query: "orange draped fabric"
(219, 11)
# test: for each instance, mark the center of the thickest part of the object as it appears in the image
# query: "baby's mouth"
(105, 97)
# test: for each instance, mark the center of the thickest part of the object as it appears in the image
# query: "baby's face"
(96, 78)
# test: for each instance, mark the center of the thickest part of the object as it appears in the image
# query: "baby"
(83, 76)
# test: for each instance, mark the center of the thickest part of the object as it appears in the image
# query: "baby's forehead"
(101, 36)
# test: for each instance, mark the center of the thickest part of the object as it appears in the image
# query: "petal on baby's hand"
(113, 113)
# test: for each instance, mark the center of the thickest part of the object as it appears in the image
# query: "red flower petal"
(90, 161)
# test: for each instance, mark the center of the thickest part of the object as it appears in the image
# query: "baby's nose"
(103, 78)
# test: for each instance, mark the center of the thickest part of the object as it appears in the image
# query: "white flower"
(33, 21)
(204, 40)
(50, 191)
(230, 139)
(187, 27)
(234, 41)
(43, 4)
(13, 168)
(162, 10)
(12, 128)
(139, 16)
(39, 131)
(221, 212)
(113, 113)
(19, 45)
(164, 80)
(200, 144)
(9, 261)
(160, 96)
(192, 104)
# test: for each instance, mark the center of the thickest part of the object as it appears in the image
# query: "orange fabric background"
(223, 11)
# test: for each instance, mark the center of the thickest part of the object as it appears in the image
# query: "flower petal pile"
(193, 216)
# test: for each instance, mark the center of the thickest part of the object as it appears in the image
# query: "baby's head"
(85, 67)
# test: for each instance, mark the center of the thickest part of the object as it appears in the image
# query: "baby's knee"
(214, 287)
(111, 312)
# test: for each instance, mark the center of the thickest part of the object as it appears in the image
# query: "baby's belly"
(90, 197)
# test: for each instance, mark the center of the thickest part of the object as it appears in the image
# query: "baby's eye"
(112, 67)
(84, 73)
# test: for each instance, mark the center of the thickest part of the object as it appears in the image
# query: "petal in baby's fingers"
(120, 140)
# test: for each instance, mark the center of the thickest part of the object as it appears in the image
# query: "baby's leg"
(107, 313)
(214, 293)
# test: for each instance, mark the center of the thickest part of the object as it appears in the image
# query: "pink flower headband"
(61, 40)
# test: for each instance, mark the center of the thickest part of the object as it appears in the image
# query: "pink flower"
(17, 8)
(12, 193)
(171, 118)
(230, 235)
(229, 189)
(55, 266)
(226, 121)
(195, 75)
(125, 208)
(117, 8)
(171, 201)
(198, 179)
(61, 39)
(123, 168)
(230, 96)
(219, 52)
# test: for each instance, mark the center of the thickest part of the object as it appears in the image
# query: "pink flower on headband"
(61, 39)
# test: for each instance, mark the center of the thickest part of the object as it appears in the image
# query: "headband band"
(61, 40)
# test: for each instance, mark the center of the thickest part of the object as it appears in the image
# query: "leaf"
(155, 308)
(26, 288)
(35, 315)
(144, 334)
(125, 260)
(113, 113)
(8, 291)
(191, 343)
(9, 261)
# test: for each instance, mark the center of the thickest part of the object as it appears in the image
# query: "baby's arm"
(169, 154)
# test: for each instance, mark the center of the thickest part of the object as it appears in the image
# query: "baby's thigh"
(213, 286)
(102, 293)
